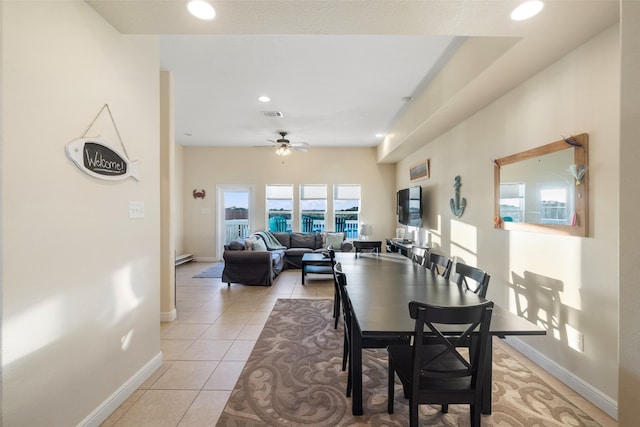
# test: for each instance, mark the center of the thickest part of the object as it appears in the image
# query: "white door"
(235, 213)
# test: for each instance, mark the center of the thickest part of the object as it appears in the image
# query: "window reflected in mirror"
(544, 189)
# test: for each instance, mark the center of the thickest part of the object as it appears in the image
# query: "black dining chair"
(419, 255)
(473, 279)
(336, 292)
(438, 372)
(367, 342)
(440, 264)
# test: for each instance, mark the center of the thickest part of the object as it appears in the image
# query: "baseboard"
(107, 407)
(586, 390)
(206, 259)
(168, 316)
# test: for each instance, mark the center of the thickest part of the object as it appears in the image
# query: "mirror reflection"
(539, 190)
(544, 189)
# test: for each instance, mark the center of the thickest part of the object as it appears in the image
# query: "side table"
(316, 263)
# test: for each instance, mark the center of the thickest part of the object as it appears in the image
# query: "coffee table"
(316, 263)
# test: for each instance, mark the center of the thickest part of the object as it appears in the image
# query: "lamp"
(201, 9)
(578, 172)
(366, 230)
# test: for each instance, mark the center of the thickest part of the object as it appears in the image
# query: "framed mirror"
(545, 189)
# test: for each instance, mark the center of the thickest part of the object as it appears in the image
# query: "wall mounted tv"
(410, 206)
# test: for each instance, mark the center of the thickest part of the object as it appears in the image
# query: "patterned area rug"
(215, 271)
(293, 377)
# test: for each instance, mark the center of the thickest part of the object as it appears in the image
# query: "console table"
(403, 247)
(368, 245)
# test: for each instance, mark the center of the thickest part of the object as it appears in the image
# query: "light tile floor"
(205, 349)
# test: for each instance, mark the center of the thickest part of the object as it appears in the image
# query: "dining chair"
(367, 342)
(336, 293)
(440, 264)
(438, 372)
(472, 278)
(419, 255)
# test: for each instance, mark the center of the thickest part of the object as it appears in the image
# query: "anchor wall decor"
(457, 204)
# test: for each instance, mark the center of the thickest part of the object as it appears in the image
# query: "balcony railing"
(239, 228)
(235, 229)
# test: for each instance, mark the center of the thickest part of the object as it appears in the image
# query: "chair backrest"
(419, 255)
(472, 278)
(341, 282)
(438, 356)
(440, 264)
(332, 255)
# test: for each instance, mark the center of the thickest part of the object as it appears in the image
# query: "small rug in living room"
(213, 272)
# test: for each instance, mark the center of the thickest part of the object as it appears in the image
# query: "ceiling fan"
(284, 147)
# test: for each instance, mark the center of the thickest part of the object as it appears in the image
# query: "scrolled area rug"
(294, 377)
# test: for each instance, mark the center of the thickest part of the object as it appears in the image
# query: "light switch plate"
(136, 210)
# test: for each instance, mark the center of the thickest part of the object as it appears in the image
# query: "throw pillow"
(249, 241)
(334, 240)
(236, 245)
(259, 245)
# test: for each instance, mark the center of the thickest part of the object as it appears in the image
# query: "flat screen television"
(410, 206)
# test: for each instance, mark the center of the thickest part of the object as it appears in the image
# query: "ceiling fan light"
(201, 9)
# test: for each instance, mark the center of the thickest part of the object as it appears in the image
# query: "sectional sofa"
(259, 258)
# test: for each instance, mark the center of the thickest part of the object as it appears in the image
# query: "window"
(279, 207)
(512, 201)
(313, 207)
(553, 206)
(346, 208)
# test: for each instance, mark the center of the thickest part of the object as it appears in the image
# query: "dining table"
(380, 286)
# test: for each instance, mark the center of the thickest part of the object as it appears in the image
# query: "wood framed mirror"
(545, 189)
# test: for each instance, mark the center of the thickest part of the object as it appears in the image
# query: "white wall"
(629, 370)
(80, 279)
(204, 168)
(579, 93)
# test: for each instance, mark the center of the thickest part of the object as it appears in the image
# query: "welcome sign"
(97, 158)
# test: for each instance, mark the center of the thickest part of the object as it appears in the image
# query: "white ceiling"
(338, 69)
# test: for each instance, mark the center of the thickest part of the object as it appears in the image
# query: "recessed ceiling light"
(380, 135)
(201, 9)
(264, 98)
(527, 10)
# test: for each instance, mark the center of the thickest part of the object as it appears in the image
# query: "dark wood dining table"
(380, 287)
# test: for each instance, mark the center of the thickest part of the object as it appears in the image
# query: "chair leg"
(445, 408)
(413, 413)
(390, 389)
(475, 415)
(349, 381)
(345, 353)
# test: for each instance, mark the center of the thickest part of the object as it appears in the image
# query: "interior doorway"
(235, 213)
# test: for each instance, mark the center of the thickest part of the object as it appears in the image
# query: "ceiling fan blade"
(301, 149)
(298, 144)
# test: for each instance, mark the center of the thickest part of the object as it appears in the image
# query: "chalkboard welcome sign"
(96, 157)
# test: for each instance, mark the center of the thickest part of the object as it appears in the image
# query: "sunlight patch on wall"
(464, 243)
(124, 297)
(33, 329)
